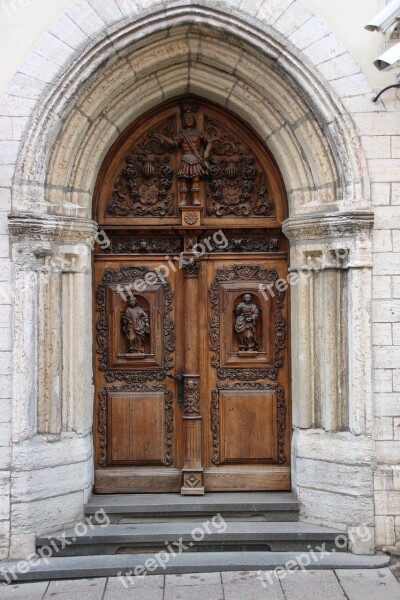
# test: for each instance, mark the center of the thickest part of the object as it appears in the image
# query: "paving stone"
(379, 584)
(254, 590)
(133, 593)
(241, 576)
(24, 591)
(301, 585)
(148, 581)
(89, 589)
(202, 592)
(193, 579)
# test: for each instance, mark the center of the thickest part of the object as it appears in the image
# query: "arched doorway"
(191, 308)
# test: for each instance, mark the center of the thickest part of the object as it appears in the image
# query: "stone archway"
(235, 60)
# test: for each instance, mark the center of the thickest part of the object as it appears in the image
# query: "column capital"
(25, 227)
(329, 225)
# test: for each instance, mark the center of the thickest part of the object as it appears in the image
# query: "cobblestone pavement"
(374, 584)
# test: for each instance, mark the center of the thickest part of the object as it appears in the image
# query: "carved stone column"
(330, 260)
(192, 468)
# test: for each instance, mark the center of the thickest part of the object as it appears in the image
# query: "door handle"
(179, 378)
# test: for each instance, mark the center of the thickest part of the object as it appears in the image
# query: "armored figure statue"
(135, 326)
(247, 315)
(194, 161)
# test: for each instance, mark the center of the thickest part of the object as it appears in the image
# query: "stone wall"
(275, 64)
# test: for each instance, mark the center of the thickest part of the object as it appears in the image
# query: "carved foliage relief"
(237, 185)
(144, 186)
(234, 182)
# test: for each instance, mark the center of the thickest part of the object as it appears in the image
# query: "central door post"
(192, 468)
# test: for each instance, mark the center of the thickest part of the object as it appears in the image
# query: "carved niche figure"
(194, 163)
(135, 325)
(247, 315)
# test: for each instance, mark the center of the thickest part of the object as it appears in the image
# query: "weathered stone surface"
(44, 515)
(334, 447)
(334, 477)
(39, 453)
(336, 508)
(32, 485)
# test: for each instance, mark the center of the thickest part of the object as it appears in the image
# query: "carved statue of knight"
(196, 148)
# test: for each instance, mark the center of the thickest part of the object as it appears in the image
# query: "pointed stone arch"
(255, 59)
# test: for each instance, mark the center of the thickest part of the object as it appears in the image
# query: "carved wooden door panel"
(245, 405)
(191, 357)
(137, 431)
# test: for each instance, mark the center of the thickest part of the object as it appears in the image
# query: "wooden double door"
(191, 357)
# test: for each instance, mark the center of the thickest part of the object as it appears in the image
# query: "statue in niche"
(135, 326)
(194, 163)
(247, 315)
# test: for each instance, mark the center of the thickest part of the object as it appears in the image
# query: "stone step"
(212, 535)
(251, 506)
(75, 567)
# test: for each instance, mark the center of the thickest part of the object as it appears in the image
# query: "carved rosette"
(191, 391)
(215, 416)
(127, 276)
(135, 387)
(191, 268)
(246, 273)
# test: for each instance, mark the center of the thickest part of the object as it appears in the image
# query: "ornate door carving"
(191, 358)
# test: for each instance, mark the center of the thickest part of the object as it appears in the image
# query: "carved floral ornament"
(192, 149)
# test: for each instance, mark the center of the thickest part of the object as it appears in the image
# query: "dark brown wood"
(181, 290)
(192, 420)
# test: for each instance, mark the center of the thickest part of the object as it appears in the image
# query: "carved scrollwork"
(246, 273)
(215, 426)
(102, 427)
(144, 246)
(143, 188)
(135, 387)
(126, 276)
(237, 185)
(215, 417)
(249, 244)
